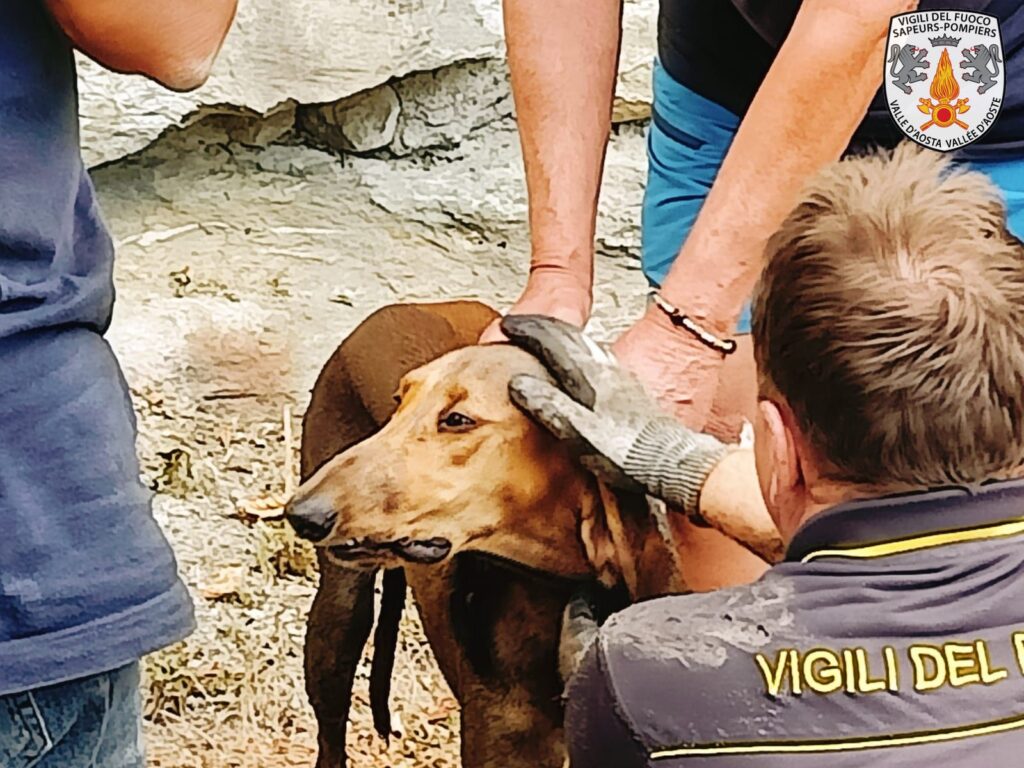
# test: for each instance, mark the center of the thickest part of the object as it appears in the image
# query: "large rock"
(425, 110)
(320, 51)
(479, 187)
(360, 123)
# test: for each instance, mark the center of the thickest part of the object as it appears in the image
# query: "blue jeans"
(686, 143)
(95, 722)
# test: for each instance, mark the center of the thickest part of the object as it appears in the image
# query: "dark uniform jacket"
(891, 636)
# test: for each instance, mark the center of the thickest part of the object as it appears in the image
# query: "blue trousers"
(686, 143)
(95, 722)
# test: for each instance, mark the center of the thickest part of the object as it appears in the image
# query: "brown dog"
(456, 475)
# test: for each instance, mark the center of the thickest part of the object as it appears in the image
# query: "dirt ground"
(239, 271)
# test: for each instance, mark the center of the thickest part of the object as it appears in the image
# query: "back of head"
(890, 319)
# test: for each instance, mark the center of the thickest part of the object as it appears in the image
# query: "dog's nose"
(311, 516)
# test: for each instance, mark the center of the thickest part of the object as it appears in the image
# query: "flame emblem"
(943, 90)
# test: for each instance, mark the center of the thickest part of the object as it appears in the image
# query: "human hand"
(552, 292)
(619, 432)
(679, 371)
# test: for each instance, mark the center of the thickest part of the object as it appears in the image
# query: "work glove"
(579, 631)
(618, 431)
(588, 608)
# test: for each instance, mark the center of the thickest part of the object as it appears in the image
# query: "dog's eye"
(455, 421)
(397, 398)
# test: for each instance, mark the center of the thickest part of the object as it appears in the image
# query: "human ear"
(778, 462)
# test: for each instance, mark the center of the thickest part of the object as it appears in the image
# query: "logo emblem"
(943, 76)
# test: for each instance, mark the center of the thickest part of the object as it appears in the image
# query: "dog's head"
(458, 467)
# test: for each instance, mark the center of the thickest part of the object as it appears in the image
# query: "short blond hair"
(890, 318)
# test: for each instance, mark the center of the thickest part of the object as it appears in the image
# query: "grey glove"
(620, 433)
(579, 630)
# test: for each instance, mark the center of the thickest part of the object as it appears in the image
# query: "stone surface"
(425, 110)
(441, 108)
(250, 263)
(479, 186)
(639, 46)
(320, 51)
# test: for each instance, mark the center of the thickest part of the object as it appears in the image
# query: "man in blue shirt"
(88, 583)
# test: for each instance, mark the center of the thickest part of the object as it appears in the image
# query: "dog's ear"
(624, 544)
(390, 343)
(597, 540)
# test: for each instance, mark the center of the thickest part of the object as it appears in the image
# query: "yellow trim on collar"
(842, 745)
(916, 543)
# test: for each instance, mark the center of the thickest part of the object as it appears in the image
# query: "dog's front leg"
(337, 629)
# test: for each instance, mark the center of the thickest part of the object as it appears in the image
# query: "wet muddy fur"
(481, 591)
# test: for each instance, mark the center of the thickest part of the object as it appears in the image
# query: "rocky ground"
(248, 246)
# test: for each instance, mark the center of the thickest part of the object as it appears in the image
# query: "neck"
(825, 494)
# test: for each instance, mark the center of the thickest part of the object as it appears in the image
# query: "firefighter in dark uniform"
(888, 330)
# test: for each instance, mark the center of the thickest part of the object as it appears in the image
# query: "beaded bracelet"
(725, 346)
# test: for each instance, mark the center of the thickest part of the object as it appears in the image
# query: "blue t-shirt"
(87, 580)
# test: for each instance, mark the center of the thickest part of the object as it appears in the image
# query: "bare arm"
(731, 502)
(173, 43)
(801, 119)
(563, 57)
